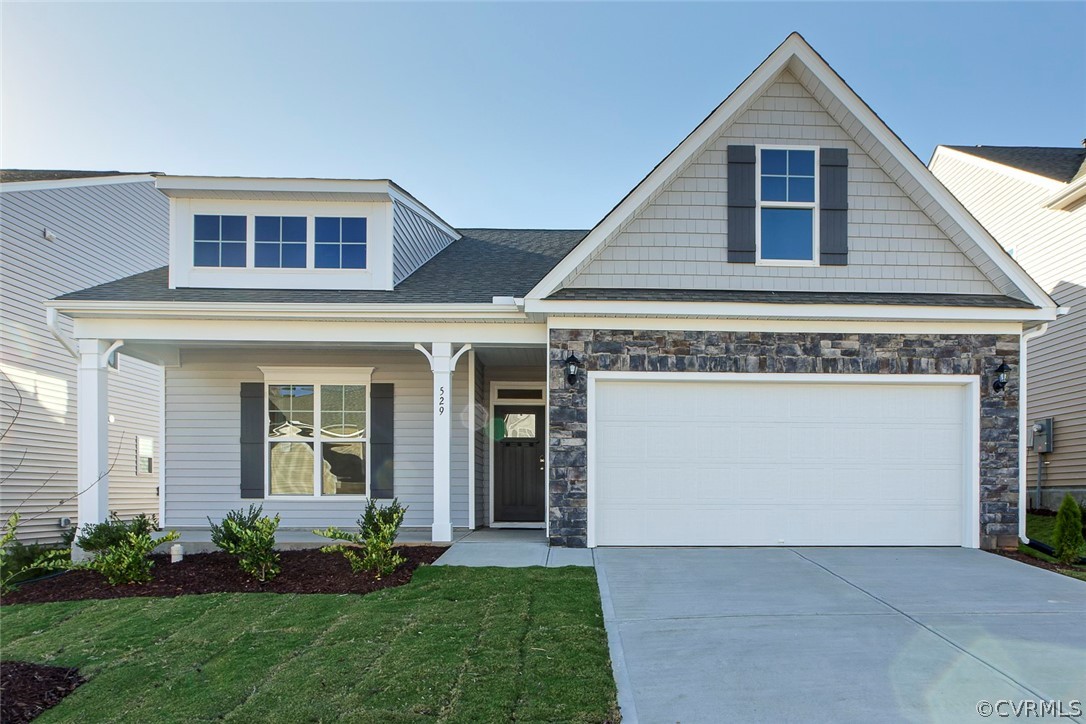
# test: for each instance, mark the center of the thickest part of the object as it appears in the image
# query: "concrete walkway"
(511, 548)
(837, 634)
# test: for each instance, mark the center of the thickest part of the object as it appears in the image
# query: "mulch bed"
(1048, 566)
(304, 571)
(26, 690)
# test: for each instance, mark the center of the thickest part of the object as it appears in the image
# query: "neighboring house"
(61, 231)
(788, 333)
(1033, 201)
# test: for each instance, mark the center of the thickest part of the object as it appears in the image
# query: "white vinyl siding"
(102, 233)
(678, 238)
(1050, 245)
(203, 410)
(414, 241)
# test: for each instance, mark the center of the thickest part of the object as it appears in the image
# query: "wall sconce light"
(1000, 381)
(572, 365)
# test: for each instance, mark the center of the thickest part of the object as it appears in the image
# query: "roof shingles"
(1059, 164)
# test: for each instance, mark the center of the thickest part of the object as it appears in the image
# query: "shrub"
(371, 548)
(1068, 542)
(252, 540)
(19, 561)
(243, 519)
(114, 532)
(127, 561)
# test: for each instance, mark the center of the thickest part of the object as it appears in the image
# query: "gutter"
(1065, 197)
(54, 329)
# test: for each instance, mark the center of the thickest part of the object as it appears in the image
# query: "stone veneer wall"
(828, 353)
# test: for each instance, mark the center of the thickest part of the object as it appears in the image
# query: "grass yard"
(1041, 527)
(455, 644)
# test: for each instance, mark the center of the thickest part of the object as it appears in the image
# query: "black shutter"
(382, 433)
(741, 208)
(833, 203)
(252, 439)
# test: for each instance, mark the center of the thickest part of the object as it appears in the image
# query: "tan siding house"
(1026, 198)
(59, 234)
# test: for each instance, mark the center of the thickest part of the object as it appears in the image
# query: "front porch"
(312, 431)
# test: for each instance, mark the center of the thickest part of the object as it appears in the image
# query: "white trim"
(971, 420)
(317, 377)
(172, 185)
(813, 206)
(793, 49)
(1023, 422)
(541, 402)
(67, 183)
(711, 324)
(162, 446)
(766, 310)
(287, 310)
(419, 208)
(1064, 198)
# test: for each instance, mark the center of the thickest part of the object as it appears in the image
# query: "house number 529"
(441, 401)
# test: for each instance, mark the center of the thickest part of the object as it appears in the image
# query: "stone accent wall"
(828, 353)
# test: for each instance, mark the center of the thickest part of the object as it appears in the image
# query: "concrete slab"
(778, 635)
(560, 557)
(505, 548)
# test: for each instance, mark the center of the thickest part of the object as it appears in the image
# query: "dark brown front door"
(519, 491)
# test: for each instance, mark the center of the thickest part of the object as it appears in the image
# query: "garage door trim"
(970, 421)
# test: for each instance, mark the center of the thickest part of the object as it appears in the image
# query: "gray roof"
(13, 175)
(481, 265)
(1061, 164)
(745, 295)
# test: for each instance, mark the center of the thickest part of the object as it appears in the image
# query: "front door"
(519, 490)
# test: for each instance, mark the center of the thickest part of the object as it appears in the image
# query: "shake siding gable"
(678, 239)
(102, 232)
(203, 426)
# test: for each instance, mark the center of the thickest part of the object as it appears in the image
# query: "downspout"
(1023, 493)
(54, 329)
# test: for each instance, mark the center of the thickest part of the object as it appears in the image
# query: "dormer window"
(787, 206)
(218, 241)
(340, 242)
(280, 242)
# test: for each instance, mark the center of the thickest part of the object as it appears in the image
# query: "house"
(1033, 201)
(61, 231)
(788, 333)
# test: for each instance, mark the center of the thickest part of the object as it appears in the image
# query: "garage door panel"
(772, 463)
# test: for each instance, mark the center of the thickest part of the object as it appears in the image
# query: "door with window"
(519, 483)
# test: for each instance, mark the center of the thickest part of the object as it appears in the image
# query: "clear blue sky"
(515, 115)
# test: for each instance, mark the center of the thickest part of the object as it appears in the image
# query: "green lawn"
(456, 644)
(1041, 527)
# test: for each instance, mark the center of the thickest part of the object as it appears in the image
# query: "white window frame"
(317, 377)
(139, 468)
(758, 205)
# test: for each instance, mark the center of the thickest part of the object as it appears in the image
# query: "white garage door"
(706, 462)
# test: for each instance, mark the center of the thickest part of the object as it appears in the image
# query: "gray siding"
(678, 238)
(1050, 245)
(103, 233)
(203, 427)
(414, 241)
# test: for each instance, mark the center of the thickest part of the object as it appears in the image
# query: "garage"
(720, 459)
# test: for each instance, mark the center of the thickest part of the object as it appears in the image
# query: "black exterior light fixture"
(572, 365)
(1000, 381)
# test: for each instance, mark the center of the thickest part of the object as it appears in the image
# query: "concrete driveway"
(838, 634)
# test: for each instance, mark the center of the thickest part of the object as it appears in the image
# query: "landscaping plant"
(127, 560)
(1068, 543)
(19, 561)
(371, 548)
(109, 534)
(252, 539)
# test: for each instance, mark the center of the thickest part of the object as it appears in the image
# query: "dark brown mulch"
(304, 571)
(1047, 565)
(26, 690)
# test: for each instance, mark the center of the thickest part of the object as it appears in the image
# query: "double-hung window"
(218, 240)
(317, 436)
(787, 206)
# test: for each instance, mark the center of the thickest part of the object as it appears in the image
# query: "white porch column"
(442, 364)
(92, 426)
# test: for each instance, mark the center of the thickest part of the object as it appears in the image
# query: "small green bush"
(252, 540)
(243, 519)
(127, 561)
(371, 548)
(1068, 542)
(109, 534)
(20, 561)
